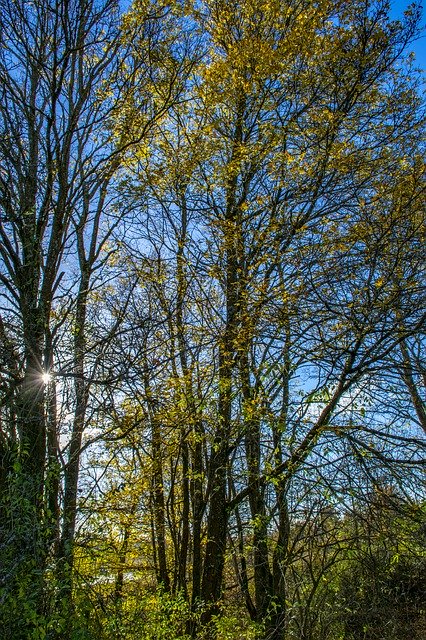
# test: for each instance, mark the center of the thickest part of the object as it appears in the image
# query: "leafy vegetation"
(212, 321)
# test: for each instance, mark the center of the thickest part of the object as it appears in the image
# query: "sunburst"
(46, 377)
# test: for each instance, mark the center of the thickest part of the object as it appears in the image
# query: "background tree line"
(212, 321)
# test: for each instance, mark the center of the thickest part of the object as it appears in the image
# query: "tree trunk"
(71, 473)
(159, 506)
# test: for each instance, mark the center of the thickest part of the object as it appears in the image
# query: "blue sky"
(419, 47)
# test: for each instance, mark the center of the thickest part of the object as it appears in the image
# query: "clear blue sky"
(419, 47)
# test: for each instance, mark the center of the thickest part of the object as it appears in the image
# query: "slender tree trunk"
(52, 485)
(198, 507)
(159, 505)
(181, 285)
(277, 617)
(71, 473)
(184, 538)
(241, 567)
(263, 584)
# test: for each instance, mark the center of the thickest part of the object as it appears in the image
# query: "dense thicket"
(212, 222)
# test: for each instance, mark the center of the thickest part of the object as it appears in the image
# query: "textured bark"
(214, 559)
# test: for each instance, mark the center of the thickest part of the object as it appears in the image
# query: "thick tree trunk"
(214, 559)
(28, 540)
(217, 523)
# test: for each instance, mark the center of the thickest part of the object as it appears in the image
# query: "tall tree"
(63, 77)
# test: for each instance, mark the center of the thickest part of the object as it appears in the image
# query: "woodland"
(212, 321)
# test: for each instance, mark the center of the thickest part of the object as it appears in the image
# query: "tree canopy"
(212, 321)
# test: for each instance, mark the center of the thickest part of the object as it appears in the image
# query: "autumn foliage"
(212, 321)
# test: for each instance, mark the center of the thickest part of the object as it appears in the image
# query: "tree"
(59, 164)
(54, 59)
(285, 180)
(297, 151)
(212, 239)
